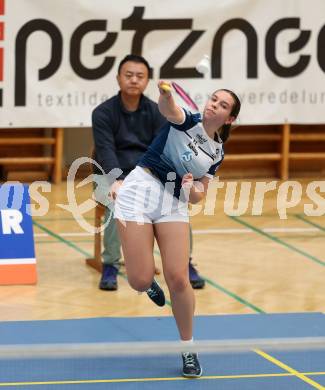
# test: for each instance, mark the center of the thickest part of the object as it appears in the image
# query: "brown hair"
(225, 130)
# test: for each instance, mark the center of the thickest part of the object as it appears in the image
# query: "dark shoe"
(108, 280)
(191, 365)
(156, 294)
(196, 281)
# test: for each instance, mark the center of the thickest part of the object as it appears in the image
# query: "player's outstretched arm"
(167, 105)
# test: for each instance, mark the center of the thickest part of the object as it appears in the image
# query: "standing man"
(123, 128)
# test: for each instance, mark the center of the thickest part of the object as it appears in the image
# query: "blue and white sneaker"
(191, 365)
(156, 294)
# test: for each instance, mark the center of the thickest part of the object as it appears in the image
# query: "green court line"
(227, 292)
(61, 239)
(299, 216)
(279, 241)
(233, 295)
(170, 379)
(77, 248)
(213, 284)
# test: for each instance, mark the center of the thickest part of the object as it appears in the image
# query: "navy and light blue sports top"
(184, 148)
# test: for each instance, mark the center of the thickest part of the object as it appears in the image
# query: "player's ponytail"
(225, 129)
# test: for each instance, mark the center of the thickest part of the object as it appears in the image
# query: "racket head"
(184, 96)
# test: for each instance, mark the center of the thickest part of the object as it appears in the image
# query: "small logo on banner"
(17, 255)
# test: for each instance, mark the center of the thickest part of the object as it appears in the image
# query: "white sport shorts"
(142, 198)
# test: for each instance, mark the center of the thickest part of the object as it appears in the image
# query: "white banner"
(60, 57)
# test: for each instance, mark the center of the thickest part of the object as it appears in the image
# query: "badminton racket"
(185, 96)
(181, 93)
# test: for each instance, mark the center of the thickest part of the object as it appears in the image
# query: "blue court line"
(213, 284)
(278, 241)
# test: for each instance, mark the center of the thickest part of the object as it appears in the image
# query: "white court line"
(266, 230)
(206, 231)
(65, 234)
(290, 230)
(222, 231)
(18, 261)
(76, 234)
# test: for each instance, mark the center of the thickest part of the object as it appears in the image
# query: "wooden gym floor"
(252, 264)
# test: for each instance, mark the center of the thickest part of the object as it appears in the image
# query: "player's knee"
(177, 282)
(140, 282)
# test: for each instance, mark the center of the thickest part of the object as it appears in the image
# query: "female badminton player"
(153, 201)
